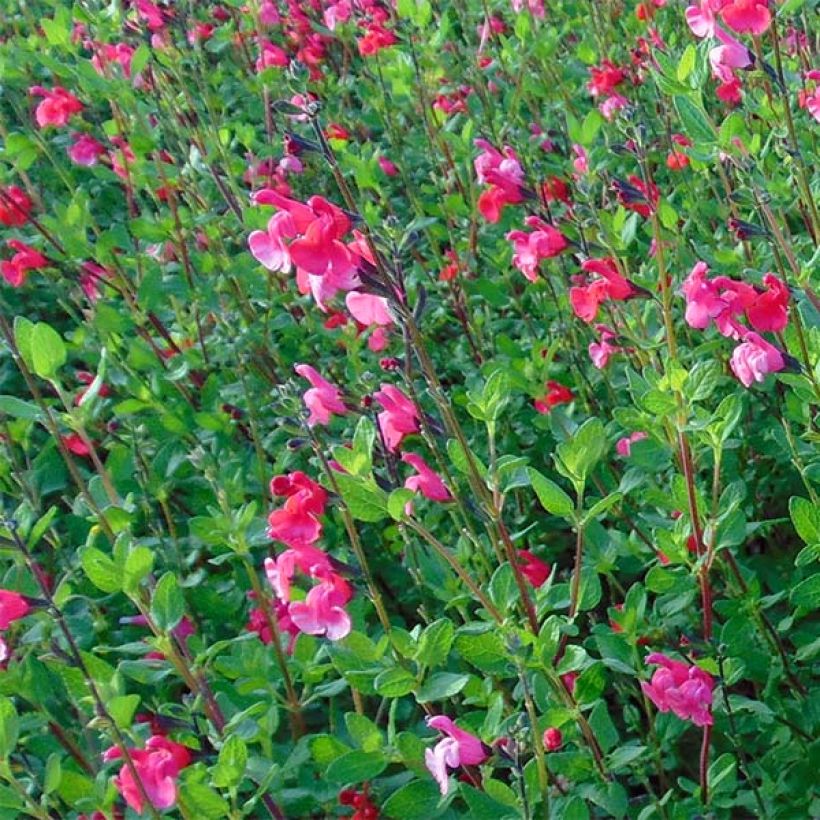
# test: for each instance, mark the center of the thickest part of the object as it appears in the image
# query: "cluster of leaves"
(134, 499)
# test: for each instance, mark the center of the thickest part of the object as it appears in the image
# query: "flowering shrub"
(409, 409)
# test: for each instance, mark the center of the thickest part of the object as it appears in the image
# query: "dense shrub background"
(605, 475)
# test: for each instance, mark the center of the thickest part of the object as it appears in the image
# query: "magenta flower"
(426, 481)
(459, 748)
(536, 571)
(553, 739)
(530, 248)
(322, 399)
(13, 606)
(307, 559)
(680, 688)
(158, 765)
(57, 107)
(85, 150)
(322, 612)
(399, 418)
(624, 445)
(770, 309)
(754, 358)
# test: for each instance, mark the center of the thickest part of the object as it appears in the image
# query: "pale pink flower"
(322, 399)
(624, 445)
(459, 748)
(754, 358)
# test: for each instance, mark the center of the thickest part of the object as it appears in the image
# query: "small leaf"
(441, 686)
(356, 767)
(416, 800)
(695, 122)
(435, 642)
(9, 727)
(48, 353)
(553, 499)
(394, 683)
(806, 594)
(167, 604)
(100, 570)
(231, 764)
(806, 519)
(19, 409)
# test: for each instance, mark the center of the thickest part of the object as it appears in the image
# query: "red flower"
(297, 522)
(533, 568)
(553, 740)
(14, 270)
(15, 207)
(556, 394)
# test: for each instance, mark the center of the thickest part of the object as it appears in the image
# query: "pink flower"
(307, 559)
(322, 612)
(728, 56)
(624, 445)
(496, 168)
(581, 162)
(15, 270)
(600, 352)
(271, 56)
(612, 105)
(90, 278)
(57, 107)
(553, 739)
(368, 309)
(297, 522)
(426, 481)
(85, 150)
(604, 79)
(322, 399)
(701, 18)
(533, 568)
(754, 358)
(529, 249)
(399, 418)
(13, 606)
(336, 13)
(494, 199)
(747, 16)
(158, 765)
(813, 103)
(459, 748)
(680, 688)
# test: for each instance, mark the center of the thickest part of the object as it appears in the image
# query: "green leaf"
(100, 570)
(394, 683)
(53, 774)
(326, 748)
(417, 800)
(122, 708)
(201, 801)
(140, 59)
(9, 727)
(358, 459)
(19, 409)
(484, 650)
(440, 686)
(460, 461)
(806, 594)
(806, 519)
(365, 500)
(356, 767)
(48, 352)
(138, 564)
(168, 603)
(435, 642)
(40, 527)
(601, 506)
(231, 764)
(696, 124)
(686, 62)
(553, 499)
(366, 735)
(23, 335)
(582, 451)
(397, 501)
(482, 806)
